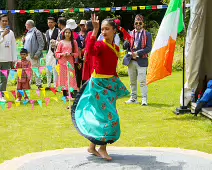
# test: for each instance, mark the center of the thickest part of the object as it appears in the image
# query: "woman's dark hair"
(111, 22)
(72, 38)
(89, 25)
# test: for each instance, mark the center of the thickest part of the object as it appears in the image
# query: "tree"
(12, 5)
(127, 17)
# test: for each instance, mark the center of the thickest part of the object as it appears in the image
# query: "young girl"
(67, 50)
(94, 111)
(24, 81)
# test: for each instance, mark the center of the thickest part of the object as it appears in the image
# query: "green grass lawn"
(23, 130)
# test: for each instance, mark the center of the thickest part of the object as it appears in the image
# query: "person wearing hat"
(82, 28)
(71, 23)
(79, 64)
(137, 59)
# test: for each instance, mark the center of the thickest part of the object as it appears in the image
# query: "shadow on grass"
(186, 117)
(159, 105)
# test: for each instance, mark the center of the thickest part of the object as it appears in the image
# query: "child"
(24, 82)
(94, 111)
(67, 51)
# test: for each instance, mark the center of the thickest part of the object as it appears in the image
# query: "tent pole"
(183, 109)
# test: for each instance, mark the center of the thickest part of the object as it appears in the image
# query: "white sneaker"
(2, 99)
(144, 102)
(132, 101)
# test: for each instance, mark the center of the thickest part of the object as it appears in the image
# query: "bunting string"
(12, 95)
(83, 10)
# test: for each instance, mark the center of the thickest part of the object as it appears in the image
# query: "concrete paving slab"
(123, 159)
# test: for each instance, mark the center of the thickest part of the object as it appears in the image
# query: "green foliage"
(166, 1)
(153, 29)
(13, 82)
(43, 78)
(122, 70)
(177, 65)
(127, 17)
(2, 4)
(178, 56)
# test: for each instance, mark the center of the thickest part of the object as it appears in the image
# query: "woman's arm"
(59, 52)
(75, 54)
(93, 47)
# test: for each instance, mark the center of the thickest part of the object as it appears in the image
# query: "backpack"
(44, 39)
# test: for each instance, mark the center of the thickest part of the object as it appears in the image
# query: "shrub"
(43, 78)
(177, 65)
(121, 69)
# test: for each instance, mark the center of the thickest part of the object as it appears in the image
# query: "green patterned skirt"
(94, 111)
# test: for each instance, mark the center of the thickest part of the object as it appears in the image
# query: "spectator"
(8, 53)
(137, 59)
(24, 81)
(61, 22)
(34, 44)
(67, 51)
(81, 45)
(51, 36)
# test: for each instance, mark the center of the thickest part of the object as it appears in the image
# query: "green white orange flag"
(162, 53)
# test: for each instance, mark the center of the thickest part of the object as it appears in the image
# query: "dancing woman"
(94, 111)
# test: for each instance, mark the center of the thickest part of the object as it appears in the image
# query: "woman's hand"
(6, 32)
(95, 23)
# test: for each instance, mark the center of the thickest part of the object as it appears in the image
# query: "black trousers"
(78, 72)
(73, 94)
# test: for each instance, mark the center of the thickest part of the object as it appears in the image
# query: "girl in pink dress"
(67, 51)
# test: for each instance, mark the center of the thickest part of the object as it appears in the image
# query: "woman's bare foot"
(104, 154)
(94, 152)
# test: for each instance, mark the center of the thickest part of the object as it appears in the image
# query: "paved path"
(123, 159)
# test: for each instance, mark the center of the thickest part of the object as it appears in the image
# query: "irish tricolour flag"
(162, 53)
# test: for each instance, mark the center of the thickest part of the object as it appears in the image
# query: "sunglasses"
(138, 23)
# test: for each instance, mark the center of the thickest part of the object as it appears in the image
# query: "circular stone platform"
(123, 159)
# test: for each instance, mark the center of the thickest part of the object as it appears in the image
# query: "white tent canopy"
(198, 49)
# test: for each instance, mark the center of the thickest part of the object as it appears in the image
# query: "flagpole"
(69, 93)
(183, 109)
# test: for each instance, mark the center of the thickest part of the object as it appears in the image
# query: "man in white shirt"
(8, 54)
(51, 37)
